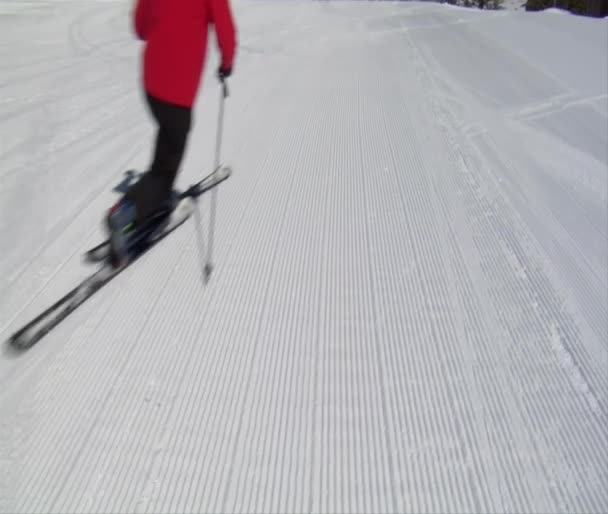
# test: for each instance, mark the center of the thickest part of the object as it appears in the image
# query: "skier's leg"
(174, 123)
(154, 189)
(152, 192)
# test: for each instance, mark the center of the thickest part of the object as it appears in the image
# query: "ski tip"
(16, 345)
(90, 258)
(224, 171)
(97, 254)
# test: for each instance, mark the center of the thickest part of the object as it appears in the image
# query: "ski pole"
(218, 143)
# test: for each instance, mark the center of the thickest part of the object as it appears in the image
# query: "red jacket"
(175, 32)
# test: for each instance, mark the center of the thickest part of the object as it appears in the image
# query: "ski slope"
(408, 311)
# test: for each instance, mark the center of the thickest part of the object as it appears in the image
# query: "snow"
(408, 311)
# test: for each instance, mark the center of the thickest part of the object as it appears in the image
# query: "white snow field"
(408, 311)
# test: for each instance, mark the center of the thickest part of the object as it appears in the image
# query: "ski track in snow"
(409, 307)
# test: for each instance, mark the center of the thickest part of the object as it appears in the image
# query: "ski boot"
(128, 234)
(120, 223)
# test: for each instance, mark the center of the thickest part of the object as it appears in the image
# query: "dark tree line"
(482, 4)
(596, 8)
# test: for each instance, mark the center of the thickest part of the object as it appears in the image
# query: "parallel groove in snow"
(80, 403)
(516, 484)
(248, 196)
(383, 462)
(128, 410)
(589, 287)
(193, 268)
(410, 179)
(600, 436)
(266, 352)
(287, 191)
(382, 332)
(589, 283)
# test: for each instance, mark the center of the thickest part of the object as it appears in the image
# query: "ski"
(41, 325)
(30, 333)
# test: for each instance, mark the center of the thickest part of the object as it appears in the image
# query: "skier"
(175, 35)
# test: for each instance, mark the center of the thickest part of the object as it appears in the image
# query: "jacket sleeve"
(142, 18)
(225, 31)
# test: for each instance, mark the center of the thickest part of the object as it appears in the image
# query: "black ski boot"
(120, 223)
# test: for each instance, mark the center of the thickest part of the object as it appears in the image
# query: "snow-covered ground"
(409, 306)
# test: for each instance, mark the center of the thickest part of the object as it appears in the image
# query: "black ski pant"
(154, 188)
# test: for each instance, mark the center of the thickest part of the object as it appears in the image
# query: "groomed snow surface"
(408, 311)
